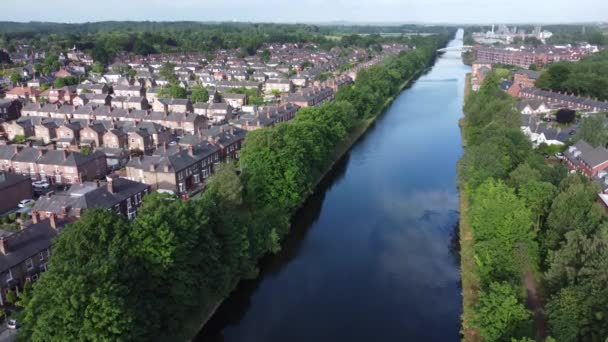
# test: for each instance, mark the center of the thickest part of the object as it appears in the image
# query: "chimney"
(53, 221)
(35, 217)
(231, 129)
(190, 150)
(111, 185)
(3, 245)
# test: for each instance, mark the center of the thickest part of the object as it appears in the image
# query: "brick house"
(24, 254)
(526, 78)
(63, 167)
(14, 188)
(121, 195)
(176, 170)
(10, 109)
(586, 159)
(140, 139)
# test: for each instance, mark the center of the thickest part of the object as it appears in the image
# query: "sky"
(309, 11)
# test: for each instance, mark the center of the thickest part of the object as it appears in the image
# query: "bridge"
(456, 48)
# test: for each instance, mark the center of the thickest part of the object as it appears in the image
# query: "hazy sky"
(455, 11)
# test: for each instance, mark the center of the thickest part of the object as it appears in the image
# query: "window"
(29, 264)
(34, 277)
(197, 178)
(43, 267)
(40, 256)
(9, 276)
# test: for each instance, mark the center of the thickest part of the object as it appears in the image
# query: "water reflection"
(372, 255)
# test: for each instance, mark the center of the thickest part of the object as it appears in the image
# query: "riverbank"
(470, 282)
(192, 328)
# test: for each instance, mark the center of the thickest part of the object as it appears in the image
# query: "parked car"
(13, 324)
(41, 184)
(559, 156)
(25, 203)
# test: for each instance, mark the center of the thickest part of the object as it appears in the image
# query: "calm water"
(371, 256)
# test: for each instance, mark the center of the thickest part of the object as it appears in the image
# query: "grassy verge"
(470, 281)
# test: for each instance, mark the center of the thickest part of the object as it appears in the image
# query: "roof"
(9, 179)
(90, 195)
(592, 156)
(26, 243)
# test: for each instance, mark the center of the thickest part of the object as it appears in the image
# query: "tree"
(86, 150)
(168, 72)
(199, 94)
(578, 313)
(502, 228)
(565, 116)
(572, 209)
(87, 292)
(592, 131)
(16, 78)
(97, 67)
(172, 91)
(499, 314)
(265, 56)
(19, 139)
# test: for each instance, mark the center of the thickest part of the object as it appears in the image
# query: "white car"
(559, 156)
(12, 324)
(25, 203)
(41, 184)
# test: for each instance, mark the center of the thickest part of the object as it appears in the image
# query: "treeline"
(104, 40)
(587, 77)
(110, 279)
(535, 229)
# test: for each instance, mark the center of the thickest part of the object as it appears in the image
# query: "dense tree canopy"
(110, 279)
(588, 77)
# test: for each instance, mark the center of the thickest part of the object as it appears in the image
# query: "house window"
(40, 256)
(34, 277)
(197, 179)
(181, 187)
(29, 264)
(9, 276)
(43, 267)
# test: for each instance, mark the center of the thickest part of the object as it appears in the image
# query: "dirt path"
(535, 305)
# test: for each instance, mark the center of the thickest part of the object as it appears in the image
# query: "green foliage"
(16, 78)
(574, 208)
(578, 313)
(592, 130)
(11, 297)
(174, 91)
(138, 281)
(98, 67)
(588, 77)
(168, 72)
(499, 315)
(86, 150)
(504, 238)
(65, 81)
(19, 139)
(199, 94)
(87, 297)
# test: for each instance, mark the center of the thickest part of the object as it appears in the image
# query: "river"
(373, 254)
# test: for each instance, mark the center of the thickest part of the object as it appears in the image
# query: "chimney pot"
(53, 221)
(3, 245)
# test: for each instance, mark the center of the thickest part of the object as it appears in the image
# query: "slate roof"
(587, 153)
(26, 243)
